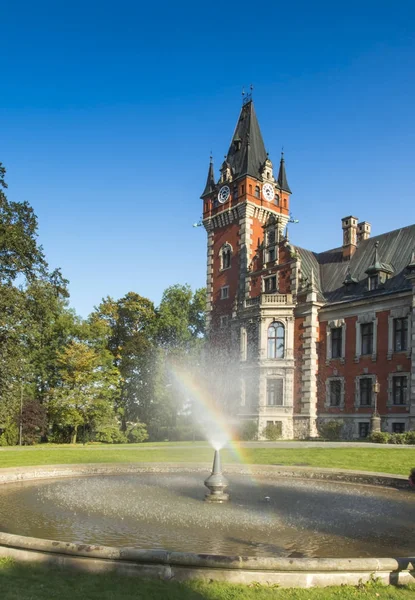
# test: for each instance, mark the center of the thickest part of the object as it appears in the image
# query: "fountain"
(216, 482)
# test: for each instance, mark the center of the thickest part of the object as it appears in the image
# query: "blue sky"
(109, 111)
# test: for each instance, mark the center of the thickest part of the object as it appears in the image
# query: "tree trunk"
(74, 433)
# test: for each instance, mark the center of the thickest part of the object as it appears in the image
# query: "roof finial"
(251, 87)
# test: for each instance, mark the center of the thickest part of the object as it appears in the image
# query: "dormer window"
(373, 282)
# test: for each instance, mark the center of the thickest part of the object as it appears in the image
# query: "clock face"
(224, 194)
(268, 192)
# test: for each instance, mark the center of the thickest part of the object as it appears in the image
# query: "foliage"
(248, 431)
(88, 387)
(9, 435)
(379, 437)
(136, 432)
(273, 431)
(397, 438)
(34, 422)
(330, 430)
(109, 433)
(410, 437)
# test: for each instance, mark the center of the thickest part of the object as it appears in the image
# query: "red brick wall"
(382, 367)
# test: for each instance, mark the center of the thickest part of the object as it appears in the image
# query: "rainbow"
(218, 429)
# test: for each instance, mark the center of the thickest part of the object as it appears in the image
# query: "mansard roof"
(247, 154)
(394, 247)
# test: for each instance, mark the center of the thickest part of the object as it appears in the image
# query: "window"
(373, 282)
(235, 192)
(277, 200)
(366, 331)
(365, 391)
(242, 189)
(257, 192)
(270, 284)
(364, 430)
(225, 255)
(400, 334)
(398, 427)
(275, 392)
(224, 292)
(268, 175)
(335, 392)
(276, 340)
(399, 389)
(336, 342)
(271, 255)
(224, 320)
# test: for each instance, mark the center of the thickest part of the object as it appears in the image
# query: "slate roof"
(246, 154)
(210, 181)
(394, 249)
(282, 176)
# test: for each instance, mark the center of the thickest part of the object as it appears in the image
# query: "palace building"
(317, 337)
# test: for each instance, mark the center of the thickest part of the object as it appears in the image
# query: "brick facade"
(318, 337)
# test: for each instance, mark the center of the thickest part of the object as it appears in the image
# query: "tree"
(131, 322)
(88, 388)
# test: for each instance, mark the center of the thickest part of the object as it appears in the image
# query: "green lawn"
(26, 582)
(383, 459)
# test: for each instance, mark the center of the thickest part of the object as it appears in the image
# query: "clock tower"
(249, 301)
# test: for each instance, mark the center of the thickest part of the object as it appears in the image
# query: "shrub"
(410, 437)
(248, 431)
(34, 422)
(136, 433)
(379, 437)
(273, 431)
(397, 438)
(330, 430)
(10, 435)
(110, 433)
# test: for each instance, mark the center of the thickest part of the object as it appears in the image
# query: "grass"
(383, 459)
(28, 582)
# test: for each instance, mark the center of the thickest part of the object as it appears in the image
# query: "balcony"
(269, 300)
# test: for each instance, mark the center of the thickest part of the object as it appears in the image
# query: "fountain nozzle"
(216, 482)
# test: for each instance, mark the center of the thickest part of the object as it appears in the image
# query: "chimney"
(349, 226)
(363, 231)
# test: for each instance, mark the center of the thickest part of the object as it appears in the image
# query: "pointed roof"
(210, 181)
(377, 266)
(246, 154)
(282, 176)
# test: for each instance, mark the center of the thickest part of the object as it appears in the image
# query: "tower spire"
(210, 181)
(247, 154)
(282, 175)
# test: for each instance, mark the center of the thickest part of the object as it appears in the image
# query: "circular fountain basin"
(290, 515)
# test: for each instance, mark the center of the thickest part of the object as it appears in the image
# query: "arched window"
(257, 192)
(276, 340)
(225, 256)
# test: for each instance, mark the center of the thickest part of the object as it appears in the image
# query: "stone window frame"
(223, 321)
(342, 392)
(264, 279)
(399, 313)
(225, 247)
(275, 378)
(224, 292)
(391, 377)
(275, 325)
(357, 391)
(365, 422)
(362, 319)
(335, 324)
(244, 344)
(394, 422)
